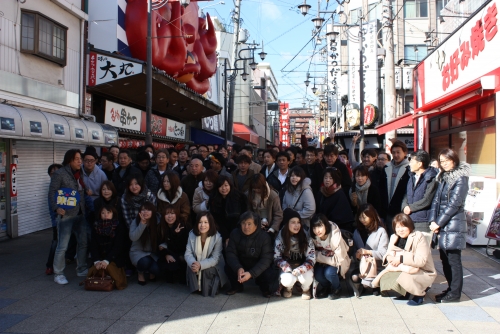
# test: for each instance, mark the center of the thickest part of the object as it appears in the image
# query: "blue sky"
(285, 32)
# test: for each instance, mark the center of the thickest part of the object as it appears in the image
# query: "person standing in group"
(143, 162)
(154, 175)
(292, 152)
(107, 197)
(332, 202)
(171, 194)
(115, 151)
(364, 191)
(448, 220)
(92, 176)
(53, 215)
(368, 155)
(280, 178)
(420, 190)
(299, 196)
(313, 169)
(265, 202)
(242, 176)
(269, 165)
(202, 193)
(332, 259)
(124, 171)
(218, 163)
(72, 219)
(203, 150)
(260, 156)
(249, 254)
(230, 165)
(205, 263)
(294, 253)
(394, 181)
(248, 151)
(107, 165)
(190, 182)
(182, 163)
(330, 159)
(226, 204)
(172, 160)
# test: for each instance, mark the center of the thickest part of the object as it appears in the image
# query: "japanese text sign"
(67, 198)
(176, 129)
(464, 57)
(284, 125)
(105, 68)
(158, 124)
(13, 178)
(122, 116)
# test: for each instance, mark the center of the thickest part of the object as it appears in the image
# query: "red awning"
(244, 132)
(397, 123)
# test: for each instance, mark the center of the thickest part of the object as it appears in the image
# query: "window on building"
(415, 52)
(415, 8)
(374, 11)
(354, 15)
(43, 37)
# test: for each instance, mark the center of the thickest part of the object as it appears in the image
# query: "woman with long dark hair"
(264, 201)
(226, 204)
(175, 236)
(136, 194)
(146, 233)
(205, 263)
(299, 196)
(448, 220)
(202, 193)
(370, 239)
(332, 202)
(294, 253)
(108, 196)
(363, 190)
(171, 193)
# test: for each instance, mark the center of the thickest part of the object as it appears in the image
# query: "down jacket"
(447, 208)
(301, 200)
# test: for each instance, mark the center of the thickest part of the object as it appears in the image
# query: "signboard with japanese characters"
(284, 125)
(470, 53)
(67, 198)
(176, 129)
(105, 68)
(211, 124)
(158, 124)
(122, 116)
(370, 84)
(397, 77)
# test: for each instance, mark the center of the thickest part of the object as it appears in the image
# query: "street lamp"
(307, 82)
(184, 3)
(304, 8)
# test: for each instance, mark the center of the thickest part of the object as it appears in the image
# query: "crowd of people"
(298, 219)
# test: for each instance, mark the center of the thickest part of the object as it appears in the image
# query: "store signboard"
(470, 53)
(397, 76)
(13, 180)
(211, 124)
(158, 124)
(370, 65)
(176, 129)
(122, 116)
(104, 69)
(284, 126)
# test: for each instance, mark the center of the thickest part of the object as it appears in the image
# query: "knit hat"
(289, 214)
(218, 157)
(90, 150)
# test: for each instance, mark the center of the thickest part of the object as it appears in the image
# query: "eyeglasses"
(444, 161)
(89, 161)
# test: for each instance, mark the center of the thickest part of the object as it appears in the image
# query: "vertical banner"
(284, 125)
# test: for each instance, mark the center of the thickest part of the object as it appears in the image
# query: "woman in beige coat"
(410, 268)
(265, 202)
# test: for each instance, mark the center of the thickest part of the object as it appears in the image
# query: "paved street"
(30, 302)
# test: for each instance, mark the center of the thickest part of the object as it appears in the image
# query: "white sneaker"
(60, 279)
(82, 273)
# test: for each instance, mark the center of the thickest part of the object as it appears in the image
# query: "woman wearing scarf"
(363, 191)
(108, 246)
(135, 195)
(265, 202)
(202, 193)
(171, 193)
(334, 203)
(205, 263)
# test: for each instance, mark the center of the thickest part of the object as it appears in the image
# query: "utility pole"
(390, 85)
(361, 87)
(232, 82)
(149, 80)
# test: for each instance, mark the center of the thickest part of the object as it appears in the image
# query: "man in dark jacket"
(313, 170)
(280, 178)
(243, 175)
(123, 171)
(393, 182)
(269, 165)
(191, 181)
(330, 159)
(107, 165)
(71, 219)
(420, 190)
(250, 254)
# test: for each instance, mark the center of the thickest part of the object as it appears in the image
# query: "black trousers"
(267, 281)
(453, 271)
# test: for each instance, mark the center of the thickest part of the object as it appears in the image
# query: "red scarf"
(77, 175)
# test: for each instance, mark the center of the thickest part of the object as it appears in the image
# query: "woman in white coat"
(205, 264)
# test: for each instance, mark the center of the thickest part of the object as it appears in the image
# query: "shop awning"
(170, 97)
(202, 137)
(244, 132)
(33, 124)
(397, 123)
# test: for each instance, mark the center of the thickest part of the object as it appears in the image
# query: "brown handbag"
(100, 282)
(367, 267)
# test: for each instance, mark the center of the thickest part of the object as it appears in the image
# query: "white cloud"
(271, 11)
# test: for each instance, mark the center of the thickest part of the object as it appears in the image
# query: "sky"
(286, 34)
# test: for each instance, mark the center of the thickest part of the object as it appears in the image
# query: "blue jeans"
(65, 227)
(327, 276)
(148, 264)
